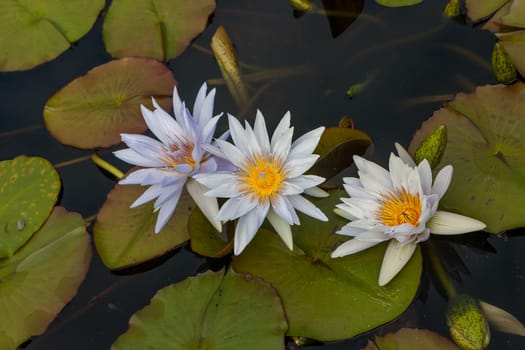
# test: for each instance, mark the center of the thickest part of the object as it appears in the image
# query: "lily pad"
(160, 29)
(126, 236)
(336, 148)
(408, 339)
(205, 239)
(211, 311)
(486, 146)
(43, 276)
(479, 10)
(324, 298)
(514, 45)
(34, 32)
(94, 109)
(29, 187)
(398, 3)
(515, 16)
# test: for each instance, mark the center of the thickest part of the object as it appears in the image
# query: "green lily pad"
(211, 311)
(43, 276)
(409, 339)
(34, 32)
(515, 16)
(336, 148)
(514, 45)
(94, 109)
(479, 10)
(398, 3)
(486, 146)
(29, 187)
(205, 239)
(160, 29)
(324, 298)
(126, 236)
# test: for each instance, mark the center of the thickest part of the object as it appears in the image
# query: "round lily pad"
(34, 32)
(160, 29)
(211, 311)
(479, 10)
(205, 239)
(126, 236)
(29, 187)
(43, 276)
(408, 339)
(324, 298)
(93, 110)
(486, 147)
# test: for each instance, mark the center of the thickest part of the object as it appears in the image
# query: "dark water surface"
(412, 51)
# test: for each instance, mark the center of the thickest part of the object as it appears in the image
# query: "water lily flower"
(269, 181)
(399, 206)
(172, 162)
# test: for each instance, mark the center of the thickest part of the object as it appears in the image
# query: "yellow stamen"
(400, 208)
(179, 154)
(263, 178)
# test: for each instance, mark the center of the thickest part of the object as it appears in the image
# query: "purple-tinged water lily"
(176, 157)
(269, 181)
(400, 206)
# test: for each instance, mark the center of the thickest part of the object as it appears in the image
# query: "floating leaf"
(433, 147)
(502, 66)
(43, 276)
(467, 323)
(336, 148)
(94, 109)
(224, 53)
(160, 29)
(479, 10)
(205, 239)
(486, 146)
(29, 187)
(341, 295)
(398, 3)
(452, 9)
(210, 311)
(514, 45)
(515, 17)
(34, 32)
(409, 339)
(126, 236)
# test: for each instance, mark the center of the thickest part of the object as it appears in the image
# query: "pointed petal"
(247, 227)
(238, 135)
(151, 193)
(261, 132)
(446, 223)
(306, 181)
(502, 320)
(442, 181)
(281, 128)
(305, 206)
(199, 101)
(166, 210)
(396, 257)
(234, 208)
(343, 213)
(282, 207)
(307, 143)
(316, 192)
(351, 247)
(232, 153)
(403, 154)
(130, 156)
(282, 228)
(206, 111)
(298, 166)
(425, 176)
(207, 205)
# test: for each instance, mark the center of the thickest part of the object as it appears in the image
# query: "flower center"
(400, 208)
(179, 154)
(262, 178)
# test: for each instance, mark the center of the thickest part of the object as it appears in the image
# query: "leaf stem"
(107, 166)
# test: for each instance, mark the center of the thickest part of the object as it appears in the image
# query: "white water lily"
(269, 181)
(170, 163)
(399, 205)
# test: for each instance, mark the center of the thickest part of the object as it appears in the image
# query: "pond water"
(411, 52)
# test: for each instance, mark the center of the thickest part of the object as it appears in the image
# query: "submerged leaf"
(160, 29)
(34, 32)
(486, 147)
(93, 110)
(43, 276)
(410, 339)
(126, 236)
(29, 188)
(224, 53)
(210, 311)
(341, 295)
(467, 323)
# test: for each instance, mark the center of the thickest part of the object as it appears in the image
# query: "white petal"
(282, 145)
(396, 257)
(208, 130)
(288, 188)
(130, 156)
(206, 111)
(225, 190)
(305, 206)
(282, 207)
(281, 128)
(254, 149)
(235, 207)
(403, 154)
(343, 213)
(208, 166)
(232, 153)
(238, 135)
(373, 171)
(161, 124)
(400, 173)
(212, 180)
(207, 205)
(298, 166)
(502, 320)
(149, 176)
(425, 176)
(166, 210)
(351, 247)
(144, 145)
(446, 223)
(316, 192)
(247, 227)
(177, 103)
(261, 132)
(442, 181)
(199, 101)
(151, 193)
(306, 181)
(307, 143)
(281, 227)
